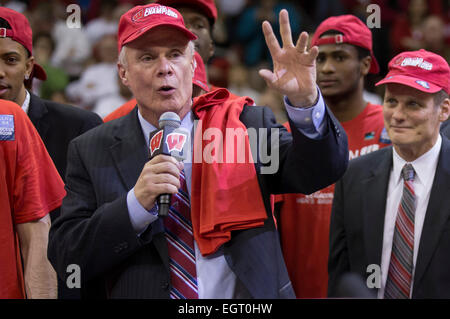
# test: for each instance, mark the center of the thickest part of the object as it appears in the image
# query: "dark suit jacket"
(57, 125)
(445, 128)
(95, 232)
(357, 224)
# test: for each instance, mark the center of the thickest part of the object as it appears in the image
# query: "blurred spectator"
(72, 47)
(274, 100)
(106, 23)
(434, 37)
(108, 103)
(57, 80)
(98, 80)
(406, 33)
(240, 83)
(249, 33)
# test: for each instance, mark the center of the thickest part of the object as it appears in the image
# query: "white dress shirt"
(26, 102)
(425, 168)
(215, 279)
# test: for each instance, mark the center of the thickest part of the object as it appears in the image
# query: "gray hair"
(122, 59)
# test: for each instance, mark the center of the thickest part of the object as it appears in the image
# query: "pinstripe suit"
(95, 232)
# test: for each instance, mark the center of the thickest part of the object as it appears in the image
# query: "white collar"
(26, 103)
(424, 166)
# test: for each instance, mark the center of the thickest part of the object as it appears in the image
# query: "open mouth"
(166, 89)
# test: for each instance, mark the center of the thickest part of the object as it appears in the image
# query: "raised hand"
(294, 67)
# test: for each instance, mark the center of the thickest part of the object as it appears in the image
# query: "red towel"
(224, 196)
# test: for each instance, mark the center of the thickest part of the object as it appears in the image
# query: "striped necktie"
(399, 280)
(180, 241)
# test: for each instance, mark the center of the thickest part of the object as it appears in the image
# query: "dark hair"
(4, 24)
(439, 97)
(362, 52)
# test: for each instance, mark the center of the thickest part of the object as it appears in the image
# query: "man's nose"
(164, 67)
(398, 113)
(327, 66)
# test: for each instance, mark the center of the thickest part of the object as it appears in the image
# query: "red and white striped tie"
(399, 280)
(180, 240)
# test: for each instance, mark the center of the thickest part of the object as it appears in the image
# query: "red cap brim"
(38, 72)
(374, 66)
(415, 83)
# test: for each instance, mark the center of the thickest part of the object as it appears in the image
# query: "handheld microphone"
(170, 140)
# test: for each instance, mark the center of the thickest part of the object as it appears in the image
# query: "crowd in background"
(81, 62)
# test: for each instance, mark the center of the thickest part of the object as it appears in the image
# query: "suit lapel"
(374, 191)
(129, 152)
(437, 213)
(36, 112)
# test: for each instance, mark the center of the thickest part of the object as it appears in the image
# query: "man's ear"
(444, 110)
(29, 64)
(365, 65)
(123, 74)
(193, 65)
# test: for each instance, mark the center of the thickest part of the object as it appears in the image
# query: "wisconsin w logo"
(155, 142)
(175, 142)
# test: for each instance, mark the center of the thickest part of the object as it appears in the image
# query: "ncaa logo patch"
(384, 137)
(424, 84)
(7, 128)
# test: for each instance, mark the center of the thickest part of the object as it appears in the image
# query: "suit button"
(165, 285)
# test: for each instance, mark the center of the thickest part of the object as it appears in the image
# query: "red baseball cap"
(200, 73)
(354, 32)
(140, 19)
(422, 70)
(207, 7)
(20, 32)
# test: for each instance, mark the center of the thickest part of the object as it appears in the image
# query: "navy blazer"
(357, 224)
(445, 128)
(58, 124)
(95, 232)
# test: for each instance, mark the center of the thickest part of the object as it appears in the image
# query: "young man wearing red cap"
(57, 124)
(391, 210)
(211, 245)
(345, 58)
(30, 188)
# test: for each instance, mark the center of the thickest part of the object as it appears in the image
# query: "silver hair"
(122, 59)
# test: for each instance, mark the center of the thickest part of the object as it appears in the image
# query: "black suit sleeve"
(445, 129)
(94, 238)
(306, 165)
(338, 260)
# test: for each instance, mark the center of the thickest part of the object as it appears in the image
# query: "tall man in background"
(56, 123)
(391, 210)
(345, 58)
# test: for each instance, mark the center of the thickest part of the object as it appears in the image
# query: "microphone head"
(170, 119)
